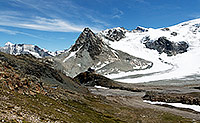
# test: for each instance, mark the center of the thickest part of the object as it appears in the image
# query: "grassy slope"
(75, 107)
(60, 105)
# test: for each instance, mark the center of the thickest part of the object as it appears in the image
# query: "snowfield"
(164, 67)
(178, 105)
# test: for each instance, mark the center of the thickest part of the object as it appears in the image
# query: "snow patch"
(100, 87)
(72, 54)
(178, 105)
(9, 44)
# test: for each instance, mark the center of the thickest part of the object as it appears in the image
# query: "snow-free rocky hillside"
(17, 49)
(90, 51)
(174, 51)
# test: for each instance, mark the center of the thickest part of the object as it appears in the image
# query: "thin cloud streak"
(56, 25)
(95, 20)
(18, 32)
(8, 31)
(117, 13)
(55, 17)
(39, 23)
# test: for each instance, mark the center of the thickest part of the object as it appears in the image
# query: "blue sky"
(56, 24)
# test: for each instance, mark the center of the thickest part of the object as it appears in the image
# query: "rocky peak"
(88, 41)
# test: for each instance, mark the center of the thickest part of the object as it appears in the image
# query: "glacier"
(164, 67)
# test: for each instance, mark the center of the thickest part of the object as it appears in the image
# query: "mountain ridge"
(17, 49)
(90, 51)
(182, 62)
(154, 45)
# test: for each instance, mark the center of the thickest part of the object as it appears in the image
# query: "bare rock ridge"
(90, 51)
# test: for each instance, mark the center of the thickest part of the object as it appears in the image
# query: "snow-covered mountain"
(174, 51)
(17, 49)
(90, 51)
(139, 55)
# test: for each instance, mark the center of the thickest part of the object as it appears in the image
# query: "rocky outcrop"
(174, 33)
(18, 82)
(114, 34)
(90, 51)
(90, 78)
(140, 30)
(26, 71)
(165, 29)
(163, 45)
(188, 98)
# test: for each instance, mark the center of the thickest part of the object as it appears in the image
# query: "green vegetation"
(78, 108)
(24, 98)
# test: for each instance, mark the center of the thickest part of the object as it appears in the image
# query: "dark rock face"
(162, 45)
(41, 52)
(140, 29)
(181, 47)
(174, 33)
(115, 34)
(89, 78)
(188, 98)
(88, 40)
(165, 29)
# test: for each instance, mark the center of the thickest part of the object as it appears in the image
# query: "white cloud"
(56, 25)
(18, 32)
(117, 13)
(39, 23)
(8, 31)
(116, 16)
(57, 16)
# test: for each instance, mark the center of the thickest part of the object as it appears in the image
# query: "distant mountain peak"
(17, 49)
(9, 44)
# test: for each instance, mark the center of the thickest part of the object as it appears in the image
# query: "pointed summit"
(87, 30)
(88, 41)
